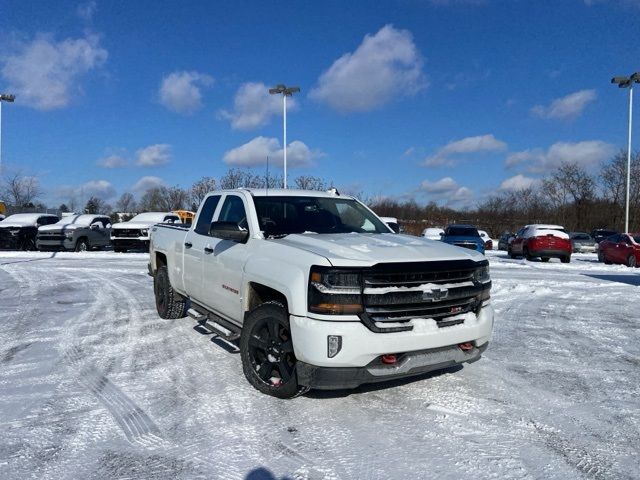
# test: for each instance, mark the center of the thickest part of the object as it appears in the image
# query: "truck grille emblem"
(435, 295)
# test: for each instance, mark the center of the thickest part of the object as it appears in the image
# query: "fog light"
(334, 345)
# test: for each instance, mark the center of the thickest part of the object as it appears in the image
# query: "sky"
(434, 100)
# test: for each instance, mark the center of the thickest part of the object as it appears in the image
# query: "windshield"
(156, 217)
(462, 232)
(280, 216)
(76, 220)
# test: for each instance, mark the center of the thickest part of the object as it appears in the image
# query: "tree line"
(570, 196)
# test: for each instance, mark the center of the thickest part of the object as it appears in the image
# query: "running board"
(215, 324)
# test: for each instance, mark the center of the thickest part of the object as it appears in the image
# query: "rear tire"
(169, 303)
(266, 349)
(510, 252)
(632, 262)
(544, 259)
(565, 259)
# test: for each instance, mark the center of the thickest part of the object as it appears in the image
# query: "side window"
(233, 211)
(206, 215)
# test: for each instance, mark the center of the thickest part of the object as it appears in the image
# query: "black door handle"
(188, 244)
(208, 250)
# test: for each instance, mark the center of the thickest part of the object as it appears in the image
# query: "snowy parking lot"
(93, 384)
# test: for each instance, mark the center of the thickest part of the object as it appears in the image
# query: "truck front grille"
(125, 232)
(439, 290)
(51, 236)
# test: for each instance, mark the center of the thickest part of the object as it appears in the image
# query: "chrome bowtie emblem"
(435, 295)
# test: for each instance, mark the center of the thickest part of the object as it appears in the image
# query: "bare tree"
(164, 199)
(201, 188)
(126, 203)
(21, 190)
(308, 182)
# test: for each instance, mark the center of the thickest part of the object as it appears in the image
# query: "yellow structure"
(3, 208)
(185, 215)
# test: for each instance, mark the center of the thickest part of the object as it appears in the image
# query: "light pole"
(627, 82)
(4, 97)
(286, 92)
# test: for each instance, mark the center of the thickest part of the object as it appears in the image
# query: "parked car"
(582, 242)
(544, 241)
(134, 234)
(433, 233)
(600, 234)
(465, 236)
(75, 232)
(392, 222)
(503, 241)
(18, 231)
(319, 292)
(621, 248)
(488, 243)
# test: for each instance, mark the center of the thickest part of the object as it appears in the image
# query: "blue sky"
(443, 100)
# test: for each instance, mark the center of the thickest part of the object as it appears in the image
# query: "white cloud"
(180, 91)
(98, 188)
(87, 10)
(145, 183)
(465, 146)
(385, 66)
(154, 155)
(588, 154)
(518, 182)
(45, 74)
(253, 106)
(256, 151)
(567, 107)
(112, 161)
(446, 190)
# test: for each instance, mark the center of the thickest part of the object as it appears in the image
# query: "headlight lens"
(69, 235)
(481, 274)
(334, 291)
(144, 232)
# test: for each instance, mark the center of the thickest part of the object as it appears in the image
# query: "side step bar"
(215, 324)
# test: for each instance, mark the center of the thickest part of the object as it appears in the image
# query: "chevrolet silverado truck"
(134, 234)
(319, 292)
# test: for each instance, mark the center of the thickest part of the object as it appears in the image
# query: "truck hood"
(57, 227)
(14, 224)
(128, 225)
(347, 249)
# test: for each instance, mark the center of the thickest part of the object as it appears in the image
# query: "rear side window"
(206, 215)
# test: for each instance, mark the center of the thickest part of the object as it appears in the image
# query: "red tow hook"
(389, 359)
(466, 346)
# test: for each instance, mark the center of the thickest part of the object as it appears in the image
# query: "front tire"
(169, 303)
(266, 349)
(525, 254)
(601, 257)
(632, 262)
(82, 245)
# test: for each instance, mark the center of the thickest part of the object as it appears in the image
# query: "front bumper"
(408, 365)
(361, 346)
(66, 244)
(140, 242)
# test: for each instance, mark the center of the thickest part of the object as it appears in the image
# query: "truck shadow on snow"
(630, 279)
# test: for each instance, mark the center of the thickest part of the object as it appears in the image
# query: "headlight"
(69, 235)
(334, 291)
(481, 274)
(144, 233)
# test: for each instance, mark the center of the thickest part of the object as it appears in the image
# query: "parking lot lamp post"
(4, 97)
(627, 82)
(285, 92)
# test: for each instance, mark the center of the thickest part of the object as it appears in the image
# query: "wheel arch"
(259, 293)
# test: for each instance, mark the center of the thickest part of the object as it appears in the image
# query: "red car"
(544, 241)
(621, 248)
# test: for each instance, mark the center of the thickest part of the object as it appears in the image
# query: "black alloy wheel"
(266, 348)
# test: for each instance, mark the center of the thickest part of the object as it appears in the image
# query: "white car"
(134, 234)
(392, 222)
(319, 292)
(486, 238)
(433, 233)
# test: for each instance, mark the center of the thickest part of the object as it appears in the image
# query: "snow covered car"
(582, 242)
(544, 241)
(75, 232)
(488, 243)
(622, 248)
(433, 233)
(319, 291)
(503, 242)
(465, 236)
(134, 234)
(18, 231)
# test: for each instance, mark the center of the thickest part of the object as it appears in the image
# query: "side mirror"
(441, 234)
(228, 231)
(94, 226)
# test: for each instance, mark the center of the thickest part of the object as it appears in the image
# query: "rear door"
(196, 240)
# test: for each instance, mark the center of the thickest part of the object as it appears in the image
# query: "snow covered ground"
(94, 385)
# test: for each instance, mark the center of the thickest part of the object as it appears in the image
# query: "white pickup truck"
(318, 290)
